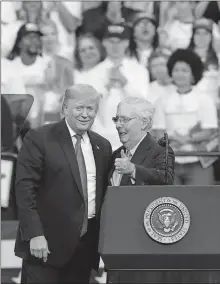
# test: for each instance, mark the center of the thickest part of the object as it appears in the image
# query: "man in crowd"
(116, 78)
(141, 160)
(61, 179)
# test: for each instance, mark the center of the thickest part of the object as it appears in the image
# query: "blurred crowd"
(166, 52)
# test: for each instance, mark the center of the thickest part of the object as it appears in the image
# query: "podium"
(130, 255)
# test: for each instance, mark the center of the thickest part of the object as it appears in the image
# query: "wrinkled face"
(158, 68)
(144, 30)
(115, 47)
(80, 113)
(182, 74)
(131, 131)
(88, 53)
(31, 43)
(202, 38)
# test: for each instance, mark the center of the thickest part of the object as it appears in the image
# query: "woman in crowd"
(144, 38)
(88, 53)
(161, 84)
(188, 116)
(202, 43)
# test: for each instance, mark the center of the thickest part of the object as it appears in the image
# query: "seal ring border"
(184, 211)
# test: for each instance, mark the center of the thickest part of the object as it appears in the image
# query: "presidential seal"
(166, 220)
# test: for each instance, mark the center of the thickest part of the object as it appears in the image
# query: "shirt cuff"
(133, 176)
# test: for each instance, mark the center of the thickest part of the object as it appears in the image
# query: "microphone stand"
(166, 157)
(164, 142)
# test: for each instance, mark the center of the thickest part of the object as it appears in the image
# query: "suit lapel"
(140, 153)
(69, 151)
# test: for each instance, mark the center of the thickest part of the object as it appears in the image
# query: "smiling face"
(131, 132)
(31, 43)
(182, 74)
(89, 53)
(80, 111)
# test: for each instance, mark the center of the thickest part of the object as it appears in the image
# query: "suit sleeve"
(29, 173)
(156, 174)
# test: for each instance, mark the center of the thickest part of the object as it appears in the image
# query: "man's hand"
(39, 247)
(123, 165)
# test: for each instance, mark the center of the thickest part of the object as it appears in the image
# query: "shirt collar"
(132, 151)
(85, 136)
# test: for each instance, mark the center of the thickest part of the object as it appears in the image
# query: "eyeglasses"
(122, 120)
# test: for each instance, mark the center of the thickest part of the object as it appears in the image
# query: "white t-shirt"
(157, 91)
(181, 113)
(209, 84)
(10, 85)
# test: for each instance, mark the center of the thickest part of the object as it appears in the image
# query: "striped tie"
(83, 176)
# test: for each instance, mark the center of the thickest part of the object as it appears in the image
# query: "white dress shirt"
(90, 169)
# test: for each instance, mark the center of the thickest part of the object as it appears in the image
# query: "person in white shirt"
(202, 43)
(116, 78)
(28, 65)
(189, 117)
(162, 84)
(61, 180)
(144, 38)
(89, 52)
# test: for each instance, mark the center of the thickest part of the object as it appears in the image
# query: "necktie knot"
(129, 155)
(78, 137)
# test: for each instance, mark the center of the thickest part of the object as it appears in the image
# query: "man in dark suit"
(141, 160)
(61, 179)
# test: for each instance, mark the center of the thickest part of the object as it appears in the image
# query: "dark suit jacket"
(49, 191)
(7, 137)
(149, 159)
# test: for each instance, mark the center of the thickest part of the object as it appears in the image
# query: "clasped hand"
(39, 247)
(123, 164)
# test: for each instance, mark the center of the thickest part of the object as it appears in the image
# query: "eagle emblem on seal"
(166, 220)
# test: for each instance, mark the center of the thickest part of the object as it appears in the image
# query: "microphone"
(164, 142)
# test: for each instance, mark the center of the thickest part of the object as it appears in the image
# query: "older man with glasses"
(141, 160)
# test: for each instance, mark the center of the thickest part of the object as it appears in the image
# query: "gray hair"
(143, 109)
(82, 90)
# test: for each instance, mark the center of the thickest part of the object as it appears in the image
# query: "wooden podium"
(131, 256)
